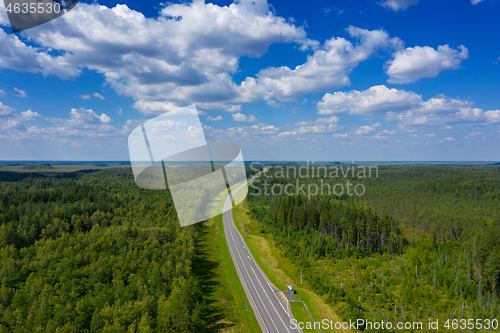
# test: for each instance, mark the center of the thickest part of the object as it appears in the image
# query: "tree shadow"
(206, 268)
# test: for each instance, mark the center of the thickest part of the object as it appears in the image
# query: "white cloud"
(97, 95)
(447, 127)
(364, 130)
(330, 120)
(475, 2)
(462, 115)
(188, 54)
(415, 63)
(327, 68)
(30, 115)
(120, 111)
(210, 118)
(318, 129)
(88, 96)
(449, 139)
(373, 101)
(148, 107)
(16, 55)
(183, 56)
(5, 111)
(242, 117)
(83, 118)
(340, 135)
(269, 129)
(287, 134)
(396, 5)
(428, 135)
(406, 108)
(10, 124)
(2, 93)
(21, 93)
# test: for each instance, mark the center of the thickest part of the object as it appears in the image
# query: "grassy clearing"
(300, 313)
(281, 271)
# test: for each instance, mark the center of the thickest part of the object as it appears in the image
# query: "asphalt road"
(271, 310)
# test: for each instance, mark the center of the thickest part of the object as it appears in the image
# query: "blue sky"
(393, 80)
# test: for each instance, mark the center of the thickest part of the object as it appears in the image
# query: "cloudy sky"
(387, 80)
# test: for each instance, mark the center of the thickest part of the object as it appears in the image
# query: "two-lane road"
(271, 311)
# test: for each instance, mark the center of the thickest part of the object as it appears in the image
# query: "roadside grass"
(280, 270)
(300, 313)
(227, 297)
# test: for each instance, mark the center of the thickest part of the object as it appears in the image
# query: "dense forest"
(423, 242)
(95, 253)
(92, 252)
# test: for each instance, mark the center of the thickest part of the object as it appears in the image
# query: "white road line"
(286, 327)
(254, 285)
(230, 223)
(260, 315)
(248, 274)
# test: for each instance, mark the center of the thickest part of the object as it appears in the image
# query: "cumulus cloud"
(16, 55)
(417, 118)
(152, 107)
(5, 111)
(329, 67)
(83, 118)
(185, 55)
(21, 93)
(373, 101)
(249, 133)
(88, 96)
(30, 115)
(364, 130)
(97, 95)
(318, 129)
(406, 108)
(242, 117)
(414, 63)
(317, 126)
(10, 124)
(2, 93)
(319, 121)
(210, 118)
(188, 54)
(396, 5)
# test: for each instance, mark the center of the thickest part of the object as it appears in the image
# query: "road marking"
(284, 325)
(229, 214)
(228, 226)
(253, 301)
